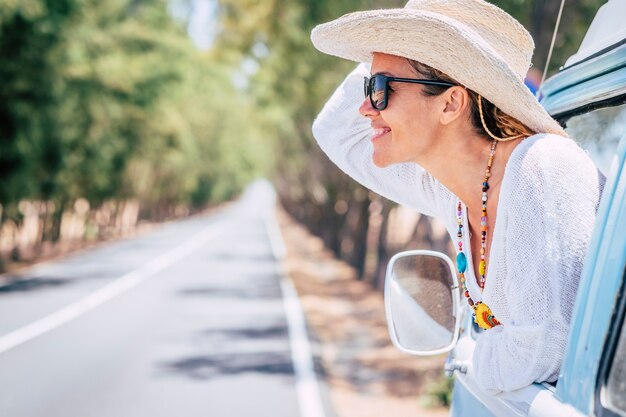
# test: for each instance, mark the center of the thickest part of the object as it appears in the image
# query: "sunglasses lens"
(378, 89)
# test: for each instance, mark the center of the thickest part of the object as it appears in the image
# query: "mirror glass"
(421, 296)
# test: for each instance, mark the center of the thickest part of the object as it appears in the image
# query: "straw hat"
(476, 43)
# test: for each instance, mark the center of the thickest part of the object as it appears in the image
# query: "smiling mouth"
(380, 132)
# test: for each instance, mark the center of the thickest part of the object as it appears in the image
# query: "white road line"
(106, 293)
(307, 385)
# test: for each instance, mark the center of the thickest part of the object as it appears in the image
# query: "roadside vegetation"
(110, 115)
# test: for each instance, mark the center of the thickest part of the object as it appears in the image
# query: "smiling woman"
(448, 128)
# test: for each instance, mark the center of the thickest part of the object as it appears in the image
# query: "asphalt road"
(188, 320)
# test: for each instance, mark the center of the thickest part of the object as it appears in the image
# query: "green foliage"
(29, 30)
(110, 100)
(438, 393)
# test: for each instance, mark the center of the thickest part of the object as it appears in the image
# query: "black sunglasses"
(377, 87)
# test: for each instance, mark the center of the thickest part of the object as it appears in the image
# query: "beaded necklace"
(482, 313)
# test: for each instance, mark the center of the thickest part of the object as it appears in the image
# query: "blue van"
(588, 97)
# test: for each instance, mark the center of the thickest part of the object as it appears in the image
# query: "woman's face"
(406, 130)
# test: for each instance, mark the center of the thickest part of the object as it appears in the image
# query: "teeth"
(378, 132)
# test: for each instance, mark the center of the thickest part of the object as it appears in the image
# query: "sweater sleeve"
(551, 213)
(344, 135)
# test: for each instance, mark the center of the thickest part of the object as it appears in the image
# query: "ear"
(455, 105)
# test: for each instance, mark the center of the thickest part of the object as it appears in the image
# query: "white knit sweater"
(546, 212)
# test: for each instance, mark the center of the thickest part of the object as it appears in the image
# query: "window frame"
(618, 325)
(563, 118)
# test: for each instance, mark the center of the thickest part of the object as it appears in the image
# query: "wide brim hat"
(474, 42)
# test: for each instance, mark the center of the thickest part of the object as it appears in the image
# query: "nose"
(367, 110)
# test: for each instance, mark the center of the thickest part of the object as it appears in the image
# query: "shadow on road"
(211, 366)
(33, 284)
(256, 291)
(277, 331)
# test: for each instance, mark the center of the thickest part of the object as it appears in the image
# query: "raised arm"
(344, 135)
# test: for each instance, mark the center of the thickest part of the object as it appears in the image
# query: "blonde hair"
(491, 121)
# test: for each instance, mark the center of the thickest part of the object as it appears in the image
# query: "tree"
(110, 101)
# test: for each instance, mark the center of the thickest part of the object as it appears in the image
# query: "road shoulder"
(365, 374)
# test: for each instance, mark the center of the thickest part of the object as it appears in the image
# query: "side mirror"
(422, 301)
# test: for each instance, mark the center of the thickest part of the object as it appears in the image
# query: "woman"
(449, 128)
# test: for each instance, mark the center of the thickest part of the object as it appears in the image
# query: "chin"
(380, 162)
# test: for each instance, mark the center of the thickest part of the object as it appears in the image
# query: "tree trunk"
(378, 280)
(55, 231)
(359, 250)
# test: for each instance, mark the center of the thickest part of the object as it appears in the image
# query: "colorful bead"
(482, 314)
(484, 317)
(461, 262)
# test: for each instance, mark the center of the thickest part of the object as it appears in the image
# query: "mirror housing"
(422, 302)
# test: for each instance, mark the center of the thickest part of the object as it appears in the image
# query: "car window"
(599, 132)
(616, 385)
(615, 389)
